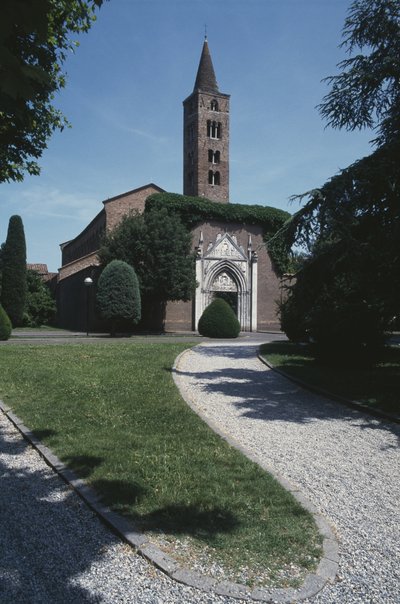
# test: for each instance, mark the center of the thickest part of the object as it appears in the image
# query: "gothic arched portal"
(224, 269)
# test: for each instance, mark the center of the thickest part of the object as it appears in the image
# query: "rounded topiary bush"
(5, 325)
(118, 294)
(219, 321)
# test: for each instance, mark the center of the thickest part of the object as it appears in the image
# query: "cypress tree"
(13, 290)
(5, 325)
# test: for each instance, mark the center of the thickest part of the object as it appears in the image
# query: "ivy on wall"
(194, 210)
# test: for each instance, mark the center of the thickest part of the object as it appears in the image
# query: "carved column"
(254, 284)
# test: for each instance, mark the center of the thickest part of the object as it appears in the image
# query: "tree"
(118, 296)
(13, 290)
(348, 289)
(34, 43)
(367, 91)
(5, 325)
(40, 307)
(158, 246)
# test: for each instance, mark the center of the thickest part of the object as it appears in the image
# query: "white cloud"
(43, 201)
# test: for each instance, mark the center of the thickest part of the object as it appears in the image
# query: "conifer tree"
(5, 325)
(13, 281)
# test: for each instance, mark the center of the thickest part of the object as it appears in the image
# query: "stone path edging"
(335, 397)
(314, 582)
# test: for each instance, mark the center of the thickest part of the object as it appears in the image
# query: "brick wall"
(118, 207)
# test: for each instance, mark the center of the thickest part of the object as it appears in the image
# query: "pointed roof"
(205, 79)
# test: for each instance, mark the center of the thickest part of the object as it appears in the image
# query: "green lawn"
(114, 415)
(377, 386)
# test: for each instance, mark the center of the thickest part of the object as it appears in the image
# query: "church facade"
(231, 258)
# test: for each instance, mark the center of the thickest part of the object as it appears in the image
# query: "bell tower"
(206, 136)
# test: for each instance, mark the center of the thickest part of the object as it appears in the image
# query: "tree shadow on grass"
(120, 494)
(189, 520)
(178, 519)
(42, 434)
(83, 465)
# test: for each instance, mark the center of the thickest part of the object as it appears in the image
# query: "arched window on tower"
(214, 157)
(213, 129)
(213, 178)
(214, 105)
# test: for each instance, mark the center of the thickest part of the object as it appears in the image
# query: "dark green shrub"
(5, 325)
(40, 307)
(13, 290)
(219, 321)
(118, 295)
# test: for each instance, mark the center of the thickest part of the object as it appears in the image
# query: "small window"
(214, 156)
(213, 129)
(214, 105)
(213, 178)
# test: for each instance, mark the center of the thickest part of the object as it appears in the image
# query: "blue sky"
(125, 87)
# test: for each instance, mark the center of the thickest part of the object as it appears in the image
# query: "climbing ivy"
(194, 210)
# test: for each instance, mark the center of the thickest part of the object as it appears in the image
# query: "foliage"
(115, 416)
(34, 43)
(40, 307)
(5, 325)
(349, 287)
(193, 210)
(118, 296)
(367, 91)
(13, 290)
(376, 386)
(219, 321)
(158, 246)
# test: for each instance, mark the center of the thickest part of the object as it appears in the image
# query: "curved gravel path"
(345, 462)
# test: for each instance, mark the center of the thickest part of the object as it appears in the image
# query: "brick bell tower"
(206, 136)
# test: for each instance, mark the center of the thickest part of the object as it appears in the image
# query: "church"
(232, 260)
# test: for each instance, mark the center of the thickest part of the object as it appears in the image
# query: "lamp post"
(88, 283)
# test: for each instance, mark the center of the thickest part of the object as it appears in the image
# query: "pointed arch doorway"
(224, 269)
(225, 287)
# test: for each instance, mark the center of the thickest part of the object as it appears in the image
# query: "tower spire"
(205, 79)
(206, 135)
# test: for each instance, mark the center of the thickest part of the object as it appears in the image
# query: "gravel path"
(345, 462)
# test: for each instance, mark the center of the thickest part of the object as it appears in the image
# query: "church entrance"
(224, 286)
(224, 270)
(230, 297)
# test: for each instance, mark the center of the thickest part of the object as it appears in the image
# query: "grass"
(377, 387)
(114, 415)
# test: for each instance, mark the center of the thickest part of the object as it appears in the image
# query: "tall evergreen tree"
(349, 288)
(13, 282)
